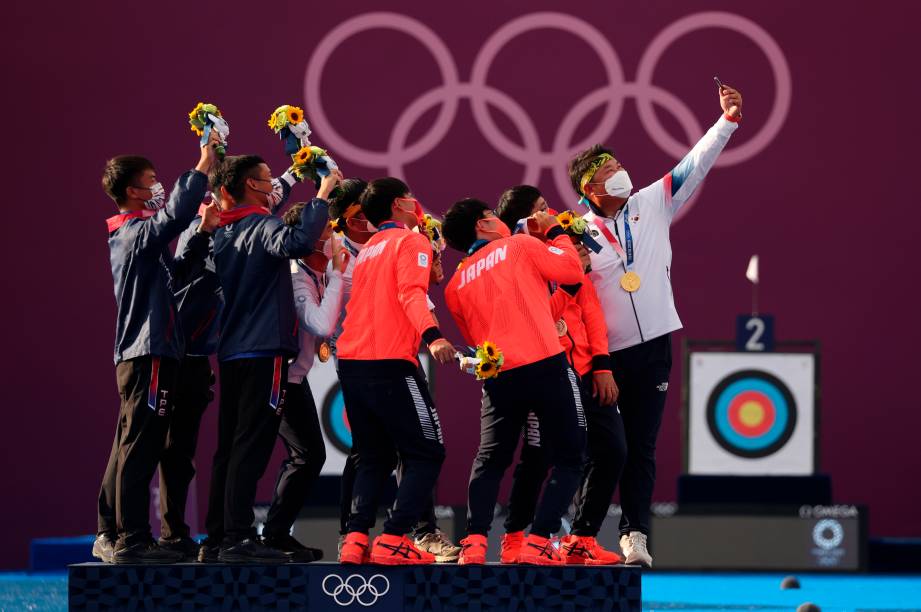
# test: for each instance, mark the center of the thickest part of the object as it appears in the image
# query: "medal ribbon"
(391, 225)
(628, 238)
(313, 277)
(625, 257)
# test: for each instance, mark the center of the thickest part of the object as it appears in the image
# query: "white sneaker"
(634, 548)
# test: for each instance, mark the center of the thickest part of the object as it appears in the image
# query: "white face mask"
(157, 197)
(328, 248)
(619, 185)
(277, 194)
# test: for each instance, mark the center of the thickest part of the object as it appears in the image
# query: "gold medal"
(323, 352)
(630, 282)
(561, 328)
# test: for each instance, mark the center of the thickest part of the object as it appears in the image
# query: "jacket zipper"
(572, 341)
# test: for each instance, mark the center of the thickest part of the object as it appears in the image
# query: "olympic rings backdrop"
(481, 96)
(751, 413)
(467, 99)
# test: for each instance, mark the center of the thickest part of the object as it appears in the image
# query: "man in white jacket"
(632, 275)
(318, 298)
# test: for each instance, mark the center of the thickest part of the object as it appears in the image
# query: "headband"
(593, 168)
(351, 211)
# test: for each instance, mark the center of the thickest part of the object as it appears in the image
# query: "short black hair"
(377, 198)
(233, 172)
(459, 226)
(516, 204)
(120, 173)
(292, 216)
(580, 164)
(346, 194)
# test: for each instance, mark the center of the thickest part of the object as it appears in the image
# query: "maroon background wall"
(829, 204)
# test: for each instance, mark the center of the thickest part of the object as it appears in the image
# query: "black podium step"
(330, 586)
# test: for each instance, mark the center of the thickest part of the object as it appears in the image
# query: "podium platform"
(330, 586)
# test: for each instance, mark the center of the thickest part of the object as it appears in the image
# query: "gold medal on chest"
(630, 282)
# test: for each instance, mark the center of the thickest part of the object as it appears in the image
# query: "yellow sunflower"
(491, 351)
(194, 112)
(565, 219)
(303, 156)
(485, 369)
(295, 115)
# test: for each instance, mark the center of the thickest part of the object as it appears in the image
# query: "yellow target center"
(751, 414)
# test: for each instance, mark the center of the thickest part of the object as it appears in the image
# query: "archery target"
(751, 413)
(327, 394)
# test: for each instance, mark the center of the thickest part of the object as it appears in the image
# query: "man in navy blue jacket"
(199, 302)
(252, 249)
(148, 345)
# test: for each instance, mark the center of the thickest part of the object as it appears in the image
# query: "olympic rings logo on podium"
(611, 96)
(356, 588)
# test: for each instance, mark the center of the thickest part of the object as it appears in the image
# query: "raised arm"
(680, 183)
(557, 260)
(182, 206)
(281, 190)
(295, 241)
(318, 315)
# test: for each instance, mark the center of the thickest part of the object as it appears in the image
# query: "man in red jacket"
(583, 335)
(387, 401)
(499, 295)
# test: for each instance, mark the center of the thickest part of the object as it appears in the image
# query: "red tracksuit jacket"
(586, 338)
(499, 294)
(387, 312)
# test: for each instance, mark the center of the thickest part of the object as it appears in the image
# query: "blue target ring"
(751, 414)
(335, 422)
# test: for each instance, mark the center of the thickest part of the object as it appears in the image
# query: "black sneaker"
(185, 545)
(297, 552)
(250, 550)
(144, 552)
(103, 547)
(209, 550)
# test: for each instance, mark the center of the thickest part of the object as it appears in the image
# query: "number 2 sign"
(755, 333)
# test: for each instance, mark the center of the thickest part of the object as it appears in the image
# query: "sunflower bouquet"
(577, 227)
(432, 228)
(486, 362)
(206, 117)
(309, 161)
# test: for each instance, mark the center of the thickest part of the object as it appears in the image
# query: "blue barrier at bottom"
(330, 586)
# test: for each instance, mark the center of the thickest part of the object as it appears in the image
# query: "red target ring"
(751, 414)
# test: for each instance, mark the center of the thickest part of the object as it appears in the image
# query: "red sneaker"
(473, 551)
(398, 550)
(537, 550)
(584, 550)
(354, 549)
(511, 546)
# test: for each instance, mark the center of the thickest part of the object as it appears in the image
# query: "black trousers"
(641, 373)
(146, 386)
(550, 389)
(427, 523)
(177, 462)
(391, 414)
(252, 401)
(303, 439)
(606, 450)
